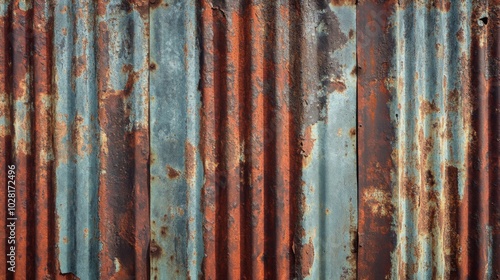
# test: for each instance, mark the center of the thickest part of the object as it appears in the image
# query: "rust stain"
(428, 107)
(155, 250)
(342, 2)
(190, 163)
(307, 258)
(172, 173)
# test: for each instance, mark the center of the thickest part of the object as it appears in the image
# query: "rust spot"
(152, 66)
(80, 65)
(429, 178)
(131, 81)
(429, 107)
(155, 250)
(307, 258)
(352, 132)
(172, 173)
(337, 86)
(453, 100)
(460, 35)
(164, 231)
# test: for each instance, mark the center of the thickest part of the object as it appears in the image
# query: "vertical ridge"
(43, 162)
(208, 143)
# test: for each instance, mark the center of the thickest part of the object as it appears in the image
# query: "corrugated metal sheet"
(217, 139)
(75, 105)
(428, 140)
(278, 139)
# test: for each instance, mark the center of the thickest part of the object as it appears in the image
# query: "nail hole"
(483, 21)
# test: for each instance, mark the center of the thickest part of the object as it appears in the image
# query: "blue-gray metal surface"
(329, 170)
(176, 170)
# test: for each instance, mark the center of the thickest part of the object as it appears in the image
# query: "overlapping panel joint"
(428, 142)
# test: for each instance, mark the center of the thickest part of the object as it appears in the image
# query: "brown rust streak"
(5, 132)
(44, 195)
(172, 172)
(375, 134)
(307, 258)
(208, 143)
(124, 155)
(254, 137)
(478, 155)
(23, 158)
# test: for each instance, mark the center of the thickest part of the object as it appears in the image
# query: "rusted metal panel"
(278, 86)
(428, 141)
(176, 168)
(76, 135)
(74, 121)
(329, 169)
(123, 94)
(237, 120)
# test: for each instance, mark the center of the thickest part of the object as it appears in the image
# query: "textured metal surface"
(251, 139)
(176, 167)
(271, 90)
(428, 140)
(75, 121)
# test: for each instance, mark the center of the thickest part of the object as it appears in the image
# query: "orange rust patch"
(307, 145)
(337, 86)
(80, 64)
(429, 107)
(352, 132)
(190, 163)
(172, 173)
(307, 257)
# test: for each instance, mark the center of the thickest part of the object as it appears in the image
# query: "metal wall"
(251, 139)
